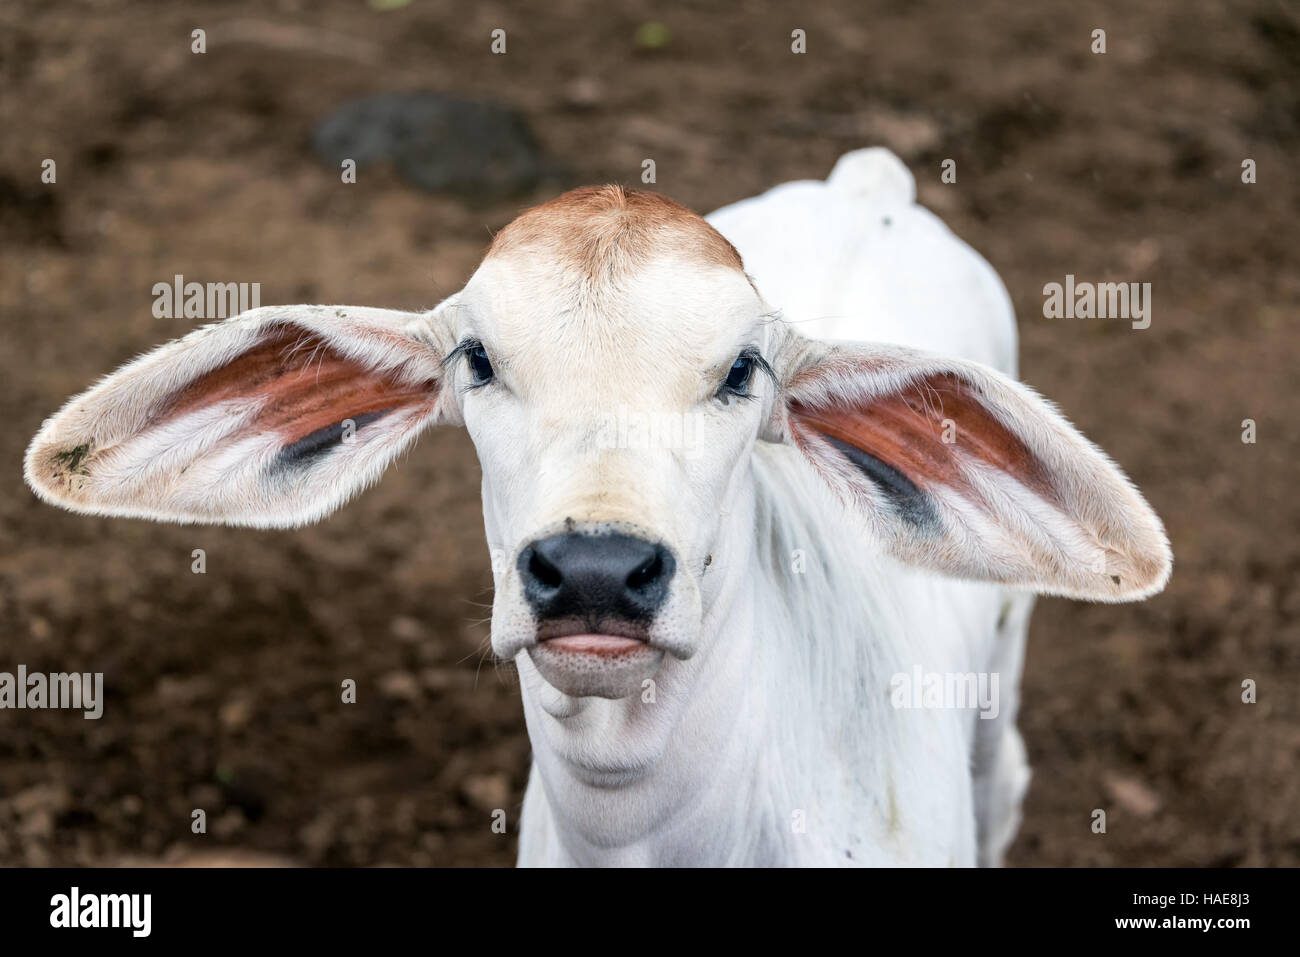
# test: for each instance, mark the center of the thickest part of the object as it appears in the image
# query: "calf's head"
(615, 368)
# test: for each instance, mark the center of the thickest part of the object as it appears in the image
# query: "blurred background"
(222, 690)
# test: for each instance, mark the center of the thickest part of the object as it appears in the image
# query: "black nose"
(595, 577)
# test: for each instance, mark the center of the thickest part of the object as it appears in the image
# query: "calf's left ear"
(960, 469)
(272, 418)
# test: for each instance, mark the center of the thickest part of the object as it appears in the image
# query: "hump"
(600, 230)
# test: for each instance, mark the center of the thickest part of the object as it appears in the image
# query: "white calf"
(717, 635)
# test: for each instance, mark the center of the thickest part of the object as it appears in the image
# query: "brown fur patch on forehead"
(603, 230)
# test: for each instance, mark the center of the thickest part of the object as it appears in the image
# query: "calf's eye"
(742, 370)
(480, 365)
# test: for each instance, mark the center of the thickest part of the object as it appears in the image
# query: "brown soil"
(223, 688)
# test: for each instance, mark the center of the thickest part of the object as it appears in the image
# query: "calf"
(718, 637)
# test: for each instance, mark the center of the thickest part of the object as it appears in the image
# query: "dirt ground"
(222, 689)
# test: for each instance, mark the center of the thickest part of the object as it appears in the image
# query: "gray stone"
(437, 142)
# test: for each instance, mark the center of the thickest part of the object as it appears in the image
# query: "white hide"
(787, 749)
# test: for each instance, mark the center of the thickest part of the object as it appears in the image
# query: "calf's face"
(614, 417)
(614, 367)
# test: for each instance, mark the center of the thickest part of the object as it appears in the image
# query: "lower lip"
(602, 645)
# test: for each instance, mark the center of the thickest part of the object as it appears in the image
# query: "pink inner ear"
(306, 384)
(905, 430)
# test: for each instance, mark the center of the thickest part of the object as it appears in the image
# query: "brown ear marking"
(308, 389)
(905, 431)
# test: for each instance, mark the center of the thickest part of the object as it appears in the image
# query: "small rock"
(437, 142)
(400, 685)
(1133, 796)
(235, 713)
(907, 134)
(408, 629)
(583, 93)
(487, 792)
(229, 823)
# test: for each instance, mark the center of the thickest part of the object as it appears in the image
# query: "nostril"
(595, 578)
(647, 573)
(543, 572)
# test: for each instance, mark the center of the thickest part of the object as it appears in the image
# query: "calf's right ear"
(272, 418)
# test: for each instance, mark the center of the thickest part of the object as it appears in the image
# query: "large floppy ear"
(960, 469)
(272, 418)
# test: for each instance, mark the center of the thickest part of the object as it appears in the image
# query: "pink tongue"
(594, 644)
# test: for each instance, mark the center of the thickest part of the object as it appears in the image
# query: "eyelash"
(473, 350)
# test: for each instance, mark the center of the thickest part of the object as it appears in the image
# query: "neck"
(757, 749)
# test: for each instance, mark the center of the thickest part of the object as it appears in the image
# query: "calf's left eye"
(480, 365)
